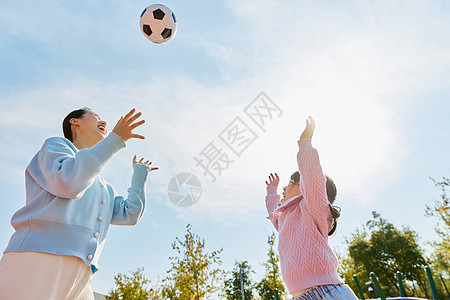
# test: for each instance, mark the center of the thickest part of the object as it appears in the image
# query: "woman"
(304, 218)
(60, 232)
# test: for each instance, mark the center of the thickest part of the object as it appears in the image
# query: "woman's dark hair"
(331, 194)
(67, 127)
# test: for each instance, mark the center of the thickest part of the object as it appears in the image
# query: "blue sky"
(374, 74)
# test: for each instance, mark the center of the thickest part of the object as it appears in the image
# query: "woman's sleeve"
(272, 200)
(129, 211)
(62, 171)
(313, 185)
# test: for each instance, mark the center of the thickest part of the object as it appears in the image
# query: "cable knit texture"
(303, 223)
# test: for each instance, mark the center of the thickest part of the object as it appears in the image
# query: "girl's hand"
(309, 129)
(124, 126)
(273, 180)
(147, 163)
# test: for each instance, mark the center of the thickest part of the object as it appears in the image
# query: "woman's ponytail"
(67, 127)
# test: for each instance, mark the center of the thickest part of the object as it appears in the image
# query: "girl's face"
(90, 126)
(291, 190)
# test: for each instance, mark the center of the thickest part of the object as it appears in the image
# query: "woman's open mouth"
(102, 128)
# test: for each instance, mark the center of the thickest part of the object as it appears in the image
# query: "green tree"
(385, 250)
(272, 279)
(441, 210)
(440, 259)
(132, 287)
(232, 285)
(194, 272)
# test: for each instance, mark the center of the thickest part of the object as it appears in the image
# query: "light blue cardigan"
(69, 207)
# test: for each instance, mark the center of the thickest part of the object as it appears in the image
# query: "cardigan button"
(96, 234)
(104, 201)
(89, 256)
(100, 218)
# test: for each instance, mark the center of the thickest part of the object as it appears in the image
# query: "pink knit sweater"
(303, 223)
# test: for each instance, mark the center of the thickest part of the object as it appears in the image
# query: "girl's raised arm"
(312, 179)
(272, 197)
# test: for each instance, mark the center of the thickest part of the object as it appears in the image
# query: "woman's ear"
(73, 121)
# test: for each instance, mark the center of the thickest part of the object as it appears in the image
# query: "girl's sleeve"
(272, 200)
(62, 171)
(129, 211)
(313, 185)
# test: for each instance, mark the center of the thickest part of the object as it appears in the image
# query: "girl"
(304, 218)
(60, 232)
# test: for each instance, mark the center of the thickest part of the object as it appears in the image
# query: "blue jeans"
(328, 292)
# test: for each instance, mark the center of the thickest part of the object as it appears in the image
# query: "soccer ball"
(158, 23)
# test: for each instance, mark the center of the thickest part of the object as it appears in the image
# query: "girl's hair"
(331, 194)
(67, 127)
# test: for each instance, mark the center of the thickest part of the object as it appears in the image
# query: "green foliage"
(385, 250)
(272, 279)
(232, 285)
(194, 272)
(131, 287)
(441, 210)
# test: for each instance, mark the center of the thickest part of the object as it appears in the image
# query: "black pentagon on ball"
(147, 29)
(158, 14)
(166, 33)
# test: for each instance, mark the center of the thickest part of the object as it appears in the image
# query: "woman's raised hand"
(273, 180)
(142, 162)
(309, 129)
(125, 126)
